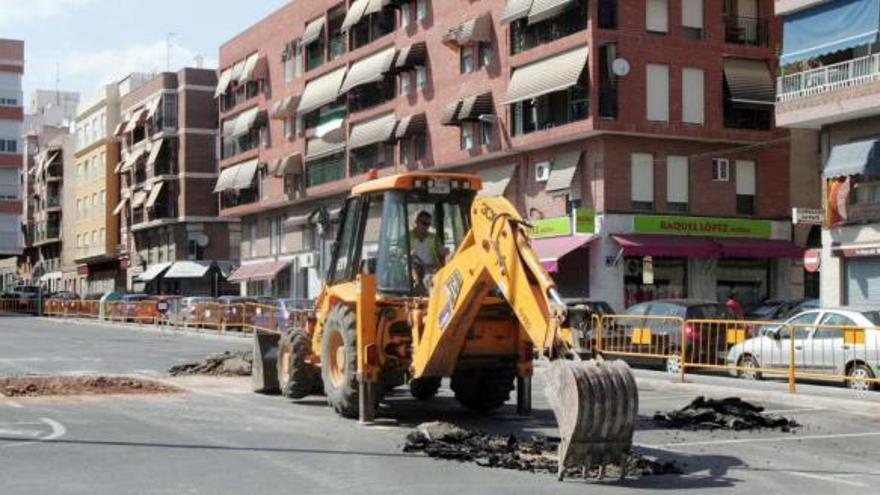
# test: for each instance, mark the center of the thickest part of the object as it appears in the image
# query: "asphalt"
(219, 438)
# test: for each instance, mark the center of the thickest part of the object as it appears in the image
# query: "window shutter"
(657, 86)
(642, 180)
(693, 96)
(657, 16)
(745, 178)
(677, 179)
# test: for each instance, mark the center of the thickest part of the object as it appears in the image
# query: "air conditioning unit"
(542, 171)
(721, 169)
(308, 260)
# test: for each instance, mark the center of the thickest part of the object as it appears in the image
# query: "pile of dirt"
(228, 363)
(40, 386)
(537, 454)
(731, 413)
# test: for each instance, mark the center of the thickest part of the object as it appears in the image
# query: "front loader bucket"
(595, 403)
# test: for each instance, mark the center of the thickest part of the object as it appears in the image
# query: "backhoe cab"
(428, 281)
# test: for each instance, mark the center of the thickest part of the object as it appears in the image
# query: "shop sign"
(697, 226)
(584, 223)
(856, 251)
(806, 216)
(812, 260)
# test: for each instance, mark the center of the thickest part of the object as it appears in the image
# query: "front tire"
(859, 374)
(425, 388)
(673, 364)
(750, 365)
(339, 361)
(297, 378)
(483, 389)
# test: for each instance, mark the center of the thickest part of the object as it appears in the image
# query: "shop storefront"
(263, 278)
(562, 245)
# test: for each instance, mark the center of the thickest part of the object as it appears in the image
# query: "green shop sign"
(697, 226)
(584, 223)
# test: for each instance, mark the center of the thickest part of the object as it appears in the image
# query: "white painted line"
(58, 431)
(13, 404)
(792, 438)
(830, 479)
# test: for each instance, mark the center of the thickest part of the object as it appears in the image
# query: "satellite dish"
(202, 240)
(620, 67)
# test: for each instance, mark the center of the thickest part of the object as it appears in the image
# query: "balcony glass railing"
(828, 78)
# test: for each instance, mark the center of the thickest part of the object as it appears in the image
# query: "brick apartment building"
(11, 146)
(172, 239)
(637, 135)
(829, 84)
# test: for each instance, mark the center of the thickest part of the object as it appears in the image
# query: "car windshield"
(763, 311)
(667, 309)
(872, 316)
(710, 312)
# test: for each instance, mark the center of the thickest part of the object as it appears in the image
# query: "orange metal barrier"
(19, 305)
(650, 339)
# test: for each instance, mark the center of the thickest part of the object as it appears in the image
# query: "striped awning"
(547, 76)
(368, 70)
(153, 107)
(284, 108)
(377, 130)
(188, 269)
(321, 91)
(237, 177)
(289, 165)
(313, 31)
(354, 14)
(564, 167)
(138, 200)
(516, 10)
(153, 272)
(749, 81)
(154, 194)
(154, 152)
(470, 31)
(226, 179)
(250, 65)
(412, 125)
(237, 71)
(132, 158)
(545, 9)
(266, 270)
(495, 180)
(120, 206)
(415, 55)
(245, 122)
(319, 148)
(375, 6)
(223, 83)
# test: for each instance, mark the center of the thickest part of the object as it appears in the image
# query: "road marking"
(793, 438)
(13, 404)
(830, 479)
(58, 431)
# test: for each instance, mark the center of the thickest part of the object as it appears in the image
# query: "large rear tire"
(297, 378)
(339, 361)
(425, 388)
(483, 389)
(264, 377)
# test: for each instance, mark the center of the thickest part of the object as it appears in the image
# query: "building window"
(692, 18)
(379, 155)
(288, 69)
(421, 77)
(657, 87)
(485, 133)
(642, 181)
(692, 96)
(405, 15)
(405, 150)
(405, 78)
(525, 36)
(467, 135)
(324, 170)
(420, 147)
(370, 95)
(486, 53)
(315, 53)
(466, 54)
(338, 42)
(372, 27)
(720, 169)
(553, 109)
(657, 16)
(745, 187)
(289, 127)
(297, 59)
(677, 184)
(421, 9)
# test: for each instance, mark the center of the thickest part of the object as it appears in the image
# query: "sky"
(86, 43)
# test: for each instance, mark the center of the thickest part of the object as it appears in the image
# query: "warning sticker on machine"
(453, 286)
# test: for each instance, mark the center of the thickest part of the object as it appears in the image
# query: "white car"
(820, 347)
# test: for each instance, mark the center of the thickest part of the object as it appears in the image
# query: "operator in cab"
(426, 252)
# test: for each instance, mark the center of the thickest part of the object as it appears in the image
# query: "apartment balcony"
(829, 94)
(47, 236)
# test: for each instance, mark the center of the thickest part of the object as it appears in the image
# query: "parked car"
(819, 349)
(655, 335)
(773, 310)
(132, 307)
(282, 316)
(237, 311)
(196, 311)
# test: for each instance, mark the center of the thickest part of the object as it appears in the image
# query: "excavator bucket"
(595, 403)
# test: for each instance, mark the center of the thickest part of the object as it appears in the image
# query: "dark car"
(653, 329)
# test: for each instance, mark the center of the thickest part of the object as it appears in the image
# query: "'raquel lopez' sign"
(701, 226)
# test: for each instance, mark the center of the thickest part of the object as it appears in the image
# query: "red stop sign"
(812, 260)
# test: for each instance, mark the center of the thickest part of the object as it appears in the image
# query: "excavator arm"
(595, 402)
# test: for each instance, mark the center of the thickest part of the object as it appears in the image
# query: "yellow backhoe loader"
(428, 281)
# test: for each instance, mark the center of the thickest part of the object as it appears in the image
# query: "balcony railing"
(853, 72)
(746, 31)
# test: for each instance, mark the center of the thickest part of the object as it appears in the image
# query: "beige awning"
(137, 118)
(244, 178)
(545, 9)
(749, 81)
(290, 165)
(415, 55)
(475, 105)
(138, 199)
(321, 91)
(547, 76)
(368, 70)
(223, 83)
(470, 31)
(564, 167)
(376, 6)
(120, 128)
(132, 158)
(313, 31)
(377, 130)
(450, 112)
(354, 14)
(284, 108)
(153, 107)
(319, 148)
(154, 152)
(154, 194)
(226, 179)
(237, 71)
(249, 65)
(228, 127)
(245, 121)
(516, 10)
(412, 125)
(495, 180)
(120, 206)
